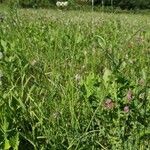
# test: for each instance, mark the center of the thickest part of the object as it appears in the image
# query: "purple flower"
(126, 109)
(109, 104)
(129, 95)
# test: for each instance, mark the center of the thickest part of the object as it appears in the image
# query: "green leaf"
(101, 41)
(106, 76)
(6, 144)
(79, 39)
(4, 44)
(144, 135)
(5, 126)
(14, 141)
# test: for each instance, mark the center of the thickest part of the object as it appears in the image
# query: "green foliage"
(131, 4)
(31, 3)
(72, 80)
(35, 3)
(124, 4)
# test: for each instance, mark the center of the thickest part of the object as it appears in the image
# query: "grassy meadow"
(74, 80)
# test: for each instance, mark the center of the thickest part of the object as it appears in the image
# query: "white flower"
(1, 55)
(61, 4)
(66, 4)
(58, 4)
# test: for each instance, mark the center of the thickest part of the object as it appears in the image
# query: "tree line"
(124, 4)
(128, 4)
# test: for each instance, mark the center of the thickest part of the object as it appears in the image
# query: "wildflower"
(61, 4)
(58, 4)
(129, 95)
(109, 104)
(126, 109)
(1, 55)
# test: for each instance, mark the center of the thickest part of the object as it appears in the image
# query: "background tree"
(124, 4)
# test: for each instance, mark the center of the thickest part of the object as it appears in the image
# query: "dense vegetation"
(124, 4)
(72, 80)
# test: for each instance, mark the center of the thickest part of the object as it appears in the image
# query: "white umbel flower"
(62, 4)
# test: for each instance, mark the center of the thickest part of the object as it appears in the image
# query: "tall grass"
(72, 80)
